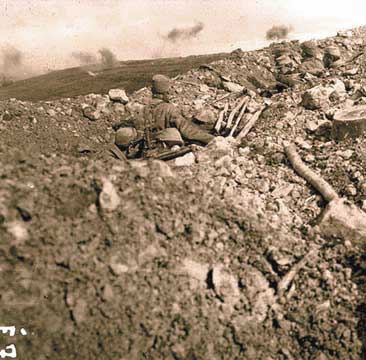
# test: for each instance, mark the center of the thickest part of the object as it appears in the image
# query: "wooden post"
(349, 123)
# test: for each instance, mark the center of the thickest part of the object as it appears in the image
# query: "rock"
(260, 295)
(346, 155)
(161, 169)
(319, 127)
(90, 113)
(225, 284)
(79, 312)
(118, 107)
(221, 146)
(344, 220)
(134, 107)
(51, 112)
(331, 55)
(311, 50)
(118, 268)
(102, 102)
(282, 191)
(118, 95)
(18, 230)
(317, 98)
(351, 190)
(108, 198)
(232, 87)
(345, 33)
(186, 160)
(107, 294)
(197, 272)
(204, 88)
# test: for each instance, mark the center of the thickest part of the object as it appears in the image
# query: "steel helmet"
(160, 84)
(124, 136)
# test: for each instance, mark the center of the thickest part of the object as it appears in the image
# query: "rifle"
(167, 154)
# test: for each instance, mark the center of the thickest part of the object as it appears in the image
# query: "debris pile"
(230, 251)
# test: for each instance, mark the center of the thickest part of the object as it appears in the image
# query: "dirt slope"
(103, 259)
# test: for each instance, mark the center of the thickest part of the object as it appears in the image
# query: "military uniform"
(160, 115)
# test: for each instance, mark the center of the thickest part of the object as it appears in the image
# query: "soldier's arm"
(188, 131)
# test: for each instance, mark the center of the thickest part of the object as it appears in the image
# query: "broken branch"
(285, 282)
(234, 111)
(248, 126)
(237, 122)
(221, 118)
(325, 189)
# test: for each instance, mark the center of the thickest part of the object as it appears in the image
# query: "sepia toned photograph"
(183, 179)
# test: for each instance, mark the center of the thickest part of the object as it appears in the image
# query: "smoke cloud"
(12, 65)
(108, 58)
(278, 32)
(12, 57)
(84, 57)
(176, 34)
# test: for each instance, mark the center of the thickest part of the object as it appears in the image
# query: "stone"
(80, 310)
(317, 98)
(204, 88)
(186, 160)
(197, 272)
(319, 127)
(282, 190)
(120, 108)
(118, 268)
(161, 169)
(18, 230)
(107, 294)
(221, 146)
(344, 220)
(346, 155)
(351, 190)
(232, 87)
(225, 284)
(51, 112)
(134, 107)
(118, 95)
(90, 113)
(108, 198)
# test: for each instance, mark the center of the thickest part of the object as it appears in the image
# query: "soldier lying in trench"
(160, 125)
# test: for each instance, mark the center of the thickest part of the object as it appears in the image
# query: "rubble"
(118, 95)
(317, 98)
(225, 252)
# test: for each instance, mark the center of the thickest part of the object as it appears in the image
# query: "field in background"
(130, 75)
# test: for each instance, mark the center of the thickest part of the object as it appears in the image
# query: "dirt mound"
(221, 259)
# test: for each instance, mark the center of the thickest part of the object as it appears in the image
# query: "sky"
(47, 32)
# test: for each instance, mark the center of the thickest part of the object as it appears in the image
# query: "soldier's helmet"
(171, 136)
(124, 136)
(160, 84)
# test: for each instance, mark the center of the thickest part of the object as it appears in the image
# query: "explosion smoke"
(12, 58)
(108, 59)
(84, 57)
(176, 34)
(278, 32)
